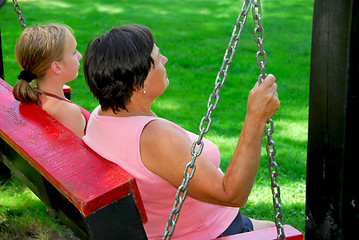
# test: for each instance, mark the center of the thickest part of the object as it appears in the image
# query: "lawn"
(193, 35)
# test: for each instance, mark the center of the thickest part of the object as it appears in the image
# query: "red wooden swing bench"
(84, 190)
(95, 198)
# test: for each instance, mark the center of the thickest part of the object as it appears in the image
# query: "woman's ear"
(139, 90)
(56, 67)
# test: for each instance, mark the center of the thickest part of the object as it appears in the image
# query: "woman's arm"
(165, 151)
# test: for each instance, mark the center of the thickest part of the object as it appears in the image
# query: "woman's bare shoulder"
(67, 113)
(62, 109)
(162, 132)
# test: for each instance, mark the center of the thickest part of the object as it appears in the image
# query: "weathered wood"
(1, 59)
(267, 234)
(67, 91)
(80, 186)
(332, 210)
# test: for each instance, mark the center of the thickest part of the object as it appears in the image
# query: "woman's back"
(118, 140)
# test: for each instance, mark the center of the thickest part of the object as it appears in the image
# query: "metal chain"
(19, 14)
(259, 39)
(261, 58)
(206, 121)
(273, 171)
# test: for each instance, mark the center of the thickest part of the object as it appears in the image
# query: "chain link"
(261, 58)
(273, 171)
(206, 121)
(19, 14)
(261, 55)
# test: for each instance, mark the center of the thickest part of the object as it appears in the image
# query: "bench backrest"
(84, 179)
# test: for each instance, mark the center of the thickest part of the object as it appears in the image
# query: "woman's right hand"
(263, 100)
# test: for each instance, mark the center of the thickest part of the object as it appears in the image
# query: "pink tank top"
(118, 140)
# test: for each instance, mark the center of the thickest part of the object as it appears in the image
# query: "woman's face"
(71, 59)
(157, 81)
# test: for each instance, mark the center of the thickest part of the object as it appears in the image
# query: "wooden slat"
(84, 178)
(267, 234)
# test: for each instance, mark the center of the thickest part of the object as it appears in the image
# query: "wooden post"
(4, 171)
(332, 208)
(1, 59)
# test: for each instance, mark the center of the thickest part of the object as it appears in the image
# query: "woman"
(125, 71)
(47, 54)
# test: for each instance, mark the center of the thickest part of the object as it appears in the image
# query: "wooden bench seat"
(94, 197)
(267, 234)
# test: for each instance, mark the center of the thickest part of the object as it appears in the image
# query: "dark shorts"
(240, 224)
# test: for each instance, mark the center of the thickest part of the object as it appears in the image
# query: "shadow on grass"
(27, 217)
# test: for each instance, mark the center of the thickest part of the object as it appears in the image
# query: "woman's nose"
(79, 56)
(164, 60)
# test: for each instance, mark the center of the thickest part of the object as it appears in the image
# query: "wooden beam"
(267, 234)
(332, 207)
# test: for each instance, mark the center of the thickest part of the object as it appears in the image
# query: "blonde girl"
(49, 59)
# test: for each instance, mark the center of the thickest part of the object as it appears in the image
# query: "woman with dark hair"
(125, 71)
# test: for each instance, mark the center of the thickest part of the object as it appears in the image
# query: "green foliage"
(193, 35)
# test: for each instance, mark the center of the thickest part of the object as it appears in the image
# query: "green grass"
(24, 216)
(193, 35)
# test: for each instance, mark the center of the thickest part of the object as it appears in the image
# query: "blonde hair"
(35, 50)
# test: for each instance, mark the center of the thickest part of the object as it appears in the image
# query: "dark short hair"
(117, 63)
